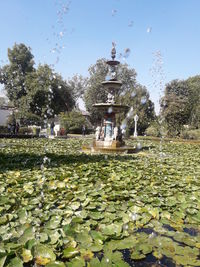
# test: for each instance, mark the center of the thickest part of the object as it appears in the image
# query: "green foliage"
(153, 130)
(73, 122)
(28, 118)
(13, 75)
(40, 91)
(3, 129)
(2, 101)
(181, 104)
(25, 130)
(48, 94)
(191, 134)
(95, 92)
(77, 85)
(137, 98)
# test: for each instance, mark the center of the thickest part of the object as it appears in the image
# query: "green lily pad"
(16, 262)
(43, 254)
(55, 264)
(27, 235)
(2, 259)
(70, 252)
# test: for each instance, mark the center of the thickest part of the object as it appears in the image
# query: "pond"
(60, 207)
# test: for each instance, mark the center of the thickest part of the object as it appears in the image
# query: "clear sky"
(163, 35)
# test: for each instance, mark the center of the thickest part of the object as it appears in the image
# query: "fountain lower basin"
(104, 147)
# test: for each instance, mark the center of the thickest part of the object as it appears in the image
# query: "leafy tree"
(180, 104)
(137, 98)
(2, 101)
(95, 92)
(193, 84)
(35, 92)
(48, 94)
(13, 75)
(130, 93)
(77, 85)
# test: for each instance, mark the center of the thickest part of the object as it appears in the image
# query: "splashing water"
(110, 110)
(130, 24)
(139, 145)
(124, 124)
(143, 100)
(149, 29)
(125, 227)
(130, 113)
(133, 94)
(127, 52)
(114, 11)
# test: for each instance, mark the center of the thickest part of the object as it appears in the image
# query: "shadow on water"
(22, 161)
(149, 261)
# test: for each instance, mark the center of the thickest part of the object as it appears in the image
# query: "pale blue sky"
(73, 40)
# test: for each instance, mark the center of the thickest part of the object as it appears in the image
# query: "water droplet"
(108, 77)
(125, 226)
(143, 100)
(127, 52)
(124, 124)
(152, 235)
(61, 34)
(133, 94)
(133, 216)
(130, 24)
(110, 110)
(149, 29)
(114, 11)
(138, 146)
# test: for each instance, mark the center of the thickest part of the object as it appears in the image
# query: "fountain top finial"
(113, 51)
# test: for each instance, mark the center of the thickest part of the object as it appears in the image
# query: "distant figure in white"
(56, 129)
(98, 132)
(111, 99)
(115, 133)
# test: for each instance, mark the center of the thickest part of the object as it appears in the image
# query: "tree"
(77, 85)
(48, 94)
(138, 99)
(14, 74)
(130, 93)
(2, 101)
(95, 92)
(37, 93)
(180, 104)
(193, 84)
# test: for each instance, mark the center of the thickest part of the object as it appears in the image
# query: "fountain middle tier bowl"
(112, 85)
(111, 108)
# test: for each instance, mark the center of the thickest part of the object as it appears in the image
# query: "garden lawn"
(60, 207)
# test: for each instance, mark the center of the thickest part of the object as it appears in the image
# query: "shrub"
(191, 134)
(3, 129)
(152, 131)
(73, 122)
(25, 130)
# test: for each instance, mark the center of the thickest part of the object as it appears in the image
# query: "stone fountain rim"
(112, 82)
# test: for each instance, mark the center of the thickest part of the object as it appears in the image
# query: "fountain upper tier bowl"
(112, 84)
(111, 108)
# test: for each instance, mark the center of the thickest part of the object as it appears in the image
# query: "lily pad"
(70, 252)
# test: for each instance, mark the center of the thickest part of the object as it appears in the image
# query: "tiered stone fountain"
(109, 136)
